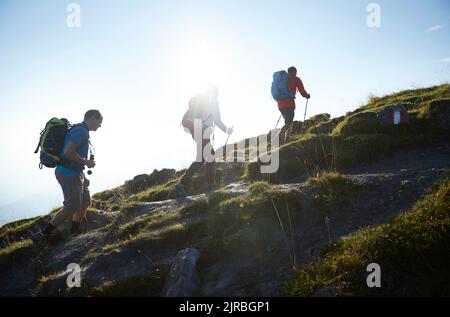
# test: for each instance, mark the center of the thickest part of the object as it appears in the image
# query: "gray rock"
(183, 280)
(405, 183)
(327, 291)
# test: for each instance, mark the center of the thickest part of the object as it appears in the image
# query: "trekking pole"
(213, 134)
(278, 132)
(304, 116)
(225, 148)
(278, 121)
(227, 140)
(91, 156)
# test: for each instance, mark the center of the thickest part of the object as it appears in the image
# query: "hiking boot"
(75, 229)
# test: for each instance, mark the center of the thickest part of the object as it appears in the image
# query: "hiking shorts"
(75, 190)
(288, 115)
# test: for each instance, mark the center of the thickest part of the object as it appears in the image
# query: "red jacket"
(294, 84)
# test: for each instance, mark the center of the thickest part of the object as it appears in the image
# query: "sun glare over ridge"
(199, 63)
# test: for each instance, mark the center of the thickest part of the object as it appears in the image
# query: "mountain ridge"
(261, 235)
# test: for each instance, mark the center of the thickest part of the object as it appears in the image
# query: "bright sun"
(199, 65)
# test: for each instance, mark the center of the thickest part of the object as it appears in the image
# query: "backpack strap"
(68, 163)
(84, 126)
(39, 143)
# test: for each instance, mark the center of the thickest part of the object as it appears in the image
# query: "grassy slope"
(329, 144)
(412, 251)
(359, 137)
(233, 222)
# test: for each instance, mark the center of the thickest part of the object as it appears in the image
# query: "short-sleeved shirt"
(80, 136)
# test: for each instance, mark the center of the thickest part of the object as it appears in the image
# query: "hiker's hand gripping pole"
(229, 132)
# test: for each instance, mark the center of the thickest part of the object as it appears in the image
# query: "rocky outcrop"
(183, 280)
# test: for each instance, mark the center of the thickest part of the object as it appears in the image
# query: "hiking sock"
(75, 227)
(49, 229)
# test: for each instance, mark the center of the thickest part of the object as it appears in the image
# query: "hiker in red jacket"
(287, 106)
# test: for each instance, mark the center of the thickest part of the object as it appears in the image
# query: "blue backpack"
(280, 86)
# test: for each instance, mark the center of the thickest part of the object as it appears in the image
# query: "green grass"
(17, 227)
(245, 225)
(221, 221)
(413, 99)
(359, 123)
(218, 196)
(324, 127)
(5, 252)
(134, 285)
(167, 236)
(156, 193)
(16, 249)
(359, 137)
(412, 251)
(104, 195)
(417, 101)
(160, 226)
(332, 189)
(137, 185)
(145, 284)
(315, 153)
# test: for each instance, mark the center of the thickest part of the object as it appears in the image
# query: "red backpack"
(198, 109)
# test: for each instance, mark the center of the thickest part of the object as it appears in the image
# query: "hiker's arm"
(71, 153)
(301, 88)
(218, 120)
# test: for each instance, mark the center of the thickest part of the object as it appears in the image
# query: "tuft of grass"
(359, 123)
(4, 252)
(16, 249)
(372, 99)
(135, 285)
(332, 189)
(104, 195)
(161, 227)
(246, 225)
(198, 207)
(413, 99)
(257, 189)
(156, 193)
(412, 251)
(218, 196)
(138, 184)
(17, 227)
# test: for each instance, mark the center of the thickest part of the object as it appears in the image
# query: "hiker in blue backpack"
(70, 176)
(284, 87)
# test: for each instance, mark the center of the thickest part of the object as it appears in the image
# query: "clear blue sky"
(140, 61)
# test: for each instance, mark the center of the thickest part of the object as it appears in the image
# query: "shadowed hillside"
(349, 191)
